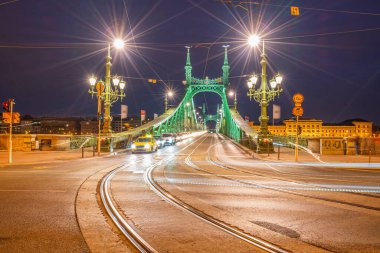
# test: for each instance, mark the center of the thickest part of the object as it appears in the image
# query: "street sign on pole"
(298, 99)
(7, 117)
(297, 111)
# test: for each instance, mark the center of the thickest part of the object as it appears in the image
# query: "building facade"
(316, 128)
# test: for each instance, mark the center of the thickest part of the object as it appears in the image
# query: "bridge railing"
(235, 127)
(140, 130)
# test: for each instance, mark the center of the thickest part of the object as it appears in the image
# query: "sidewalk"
(287, 154)
(23, 158)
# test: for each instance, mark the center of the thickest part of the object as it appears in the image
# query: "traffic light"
(6, 106)
(152, 80)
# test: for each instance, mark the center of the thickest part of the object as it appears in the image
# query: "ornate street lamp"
(233, 94)
(105, 92)
(168, 94)
(263, 95)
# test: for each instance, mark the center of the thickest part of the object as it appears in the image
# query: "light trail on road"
(257, 242)
(284, 186)
(203, 179)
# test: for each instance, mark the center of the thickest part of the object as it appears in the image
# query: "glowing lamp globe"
(253, 40)
(118, 43)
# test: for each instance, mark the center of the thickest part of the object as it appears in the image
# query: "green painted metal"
(183, 118)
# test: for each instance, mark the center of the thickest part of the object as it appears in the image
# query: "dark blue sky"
(49, 48)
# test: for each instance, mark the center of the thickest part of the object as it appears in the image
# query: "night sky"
(330, 53)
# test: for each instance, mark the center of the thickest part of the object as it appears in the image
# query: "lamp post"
(263, 95)
(105, 92)
(168, 94)
(233, 94)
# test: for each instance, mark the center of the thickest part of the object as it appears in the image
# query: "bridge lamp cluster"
(116, 80)
(265, 93)
(109, 91)
(274, 82)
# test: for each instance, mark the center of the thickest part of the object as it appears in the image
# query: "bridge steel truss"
(183, 118)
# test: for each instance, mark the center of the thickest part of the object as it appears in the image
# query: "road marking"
(40, 167)
(15, 190)
(270, 185)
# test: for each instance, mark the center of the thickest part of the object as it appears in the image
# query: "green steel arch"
(211, 117)
(184, 118)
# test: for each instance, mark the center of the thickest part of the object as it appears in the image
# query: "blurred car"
(160, 141)
(144, 144)
(169, 139)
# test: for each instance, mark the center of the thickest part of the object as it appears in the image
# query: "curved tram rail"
(257, 242)
(117, 218)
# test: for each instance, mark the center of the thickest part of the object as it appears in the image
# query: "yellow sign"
(298, 99)
(7, 117)
(297, 111)
(294, 11)
(16, 117)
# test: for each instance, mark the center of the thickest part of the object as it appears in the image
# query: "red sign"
(246, 118)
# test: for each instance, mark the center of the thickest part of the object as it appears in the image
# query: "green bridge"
(183, 118)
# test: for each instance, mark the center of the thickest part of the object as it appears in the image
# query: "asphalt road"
(313, 208)
(37, 205)
(300, 208)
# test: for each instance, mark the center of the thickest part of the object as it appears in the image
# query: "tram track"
(117, 218)
(253, 240)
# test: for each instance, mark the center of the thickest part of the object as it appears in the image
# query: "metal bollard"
(278, 152)
(369, 157)
(82, 152)
(93, 150)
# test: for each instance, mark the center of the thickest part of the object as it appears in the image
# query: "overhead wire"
(195, 44)
(9, 2)
(240, 3)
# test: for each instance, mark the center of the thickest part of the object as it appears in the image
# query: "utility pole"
(99, 114)
(11, 102)
(296, 149)
(297, 111)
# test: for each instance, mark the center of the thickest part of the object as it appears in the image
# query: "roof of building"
(348, 122)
